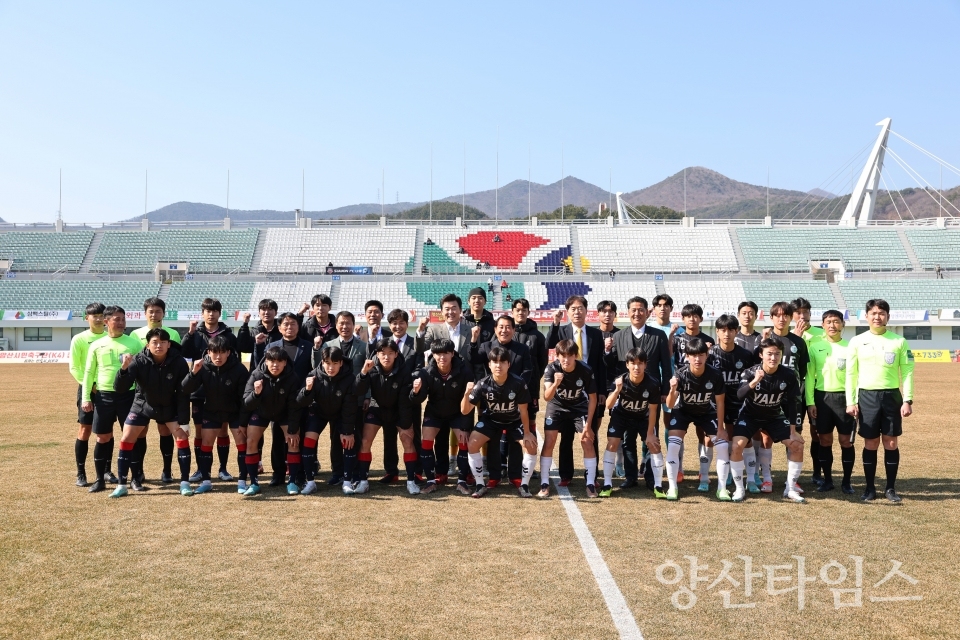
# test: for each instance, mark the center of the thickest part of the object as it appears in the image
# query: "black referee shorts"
(832, 413)
(880, 413)
(109, 408)
(84, 417)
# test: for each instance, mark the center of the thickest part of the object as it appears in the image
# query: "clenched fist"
(318, 342)
(125, 361)
(257, 387)
(758, 376)
(618, 383)
(557, 316)
(475, 333)
(193, 327)
(309, 383)
(417, 385)
(246, 318)
(197, 365)
(424, 321)
(673, 383)
(608, 345)
(367, 366)
(261, 337)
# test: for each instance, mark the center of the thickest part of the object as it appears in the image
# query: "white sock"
(545, 463)
(706, 457)
(793, 472)
(750, 462)
(656, 459)
(765, 458)
(722, 448)
(609, 460)
(476, 465)
(529, 462)
(674, 446)
(737, 469)
(591, 466)
(619, 460)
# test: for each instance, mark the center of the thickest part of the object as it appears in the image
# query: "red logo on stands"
(506, 254)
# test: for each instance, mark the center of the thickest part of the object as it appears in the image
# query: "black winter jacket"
(159, 386)
(222, 387)
(278, 400)
(443, 396)
(334, 397)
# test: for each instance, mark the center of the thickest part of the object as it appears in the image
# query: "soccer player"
(443, 383)
(155, 309)
(692, 315)
(388, 383)
(801, 321)
(271, 397)
(320, 326)
(607, 316)
(748, 337)
(697, 395)
(480, 317)
(511, 453)
(731, 360)
(660, 313)
(330, 395)
(266, 330)
(802, 328)
(157, 372)
(879, 361)
(219, 378)
(769, 392)
(502, 398)
(826, 399)
(79, 346)
(110, 404)
(629, 405)
(355, 350)
(571, 394)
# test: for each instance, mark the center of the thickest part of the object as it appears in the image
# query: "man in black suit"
(590, 342)
(651, 341)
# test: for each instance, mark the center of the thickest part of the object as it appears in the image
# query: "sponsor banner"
(357, 271)
(35, 357)
(186, 316)
(33, 315)
(254, 314)
(816, 315)
(901, 315)
(593, 317)
(950, 314)
(935, 355)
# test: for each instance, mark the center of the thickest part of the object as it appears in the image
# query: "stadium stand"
(207, 250)
(657, 249)
(791, 250)
(552, 295)
(535, 250)
(929, 295)
(234, 296)
(936, 247)
(74, 295)
(45, 252)
(290, 296)
(311, 250)
(766, 292)
(392, 294)
(715, 295)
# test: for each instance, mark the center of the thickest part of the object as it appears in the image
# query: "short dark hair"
(113, 310)
(398, 314)
(639, 299)
(218, 344)
(211, 304)
(331, 354)
(696, 346)
(772, 341)
(567, 348)
(154, 302)
(346, 314)
(801, 304)
(94, 309)
(575, 298)
(268, 303)
(372, 303)
(521, 302)
(748, 303)
(508, 319)
(636, 354)
(831, 313)
(878, 302)
(157, 333)
(321, 298)
(451, 297)
(727, 321)
(784, 308)
(499, 354)
(385, 344)
(662, 297)
(287, 315)
(605, 304)
(443, 345)
(691, 310)
(276, 354)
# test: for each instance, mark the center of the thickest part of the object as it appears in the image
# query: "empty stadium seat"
(712, 295)
(791, 250)
(936, 247)
(289, 296)
(929, 295)
(766, 292)
(207, 251)
(387, 250)
(649, 249)
(233, 296)
(74, 295)
(531, 250)
(45, 252)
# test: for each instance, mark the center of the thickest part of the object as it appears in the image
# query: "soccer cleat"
(892, 496)
(673, 494)
(679, 477)
(241, 486)
(729, 481)
(766, 487)
(816, 478)
(142, 477)
(137, 485)
(390, 478)
(658, 493)
(739, 495)
(196, 477)
(752, 487)
(82, 480)
(825, 486)
(704, 486)
(430, 487)
(564, 482)
(310, 487)
(480, 491)
(516, 482)
(797, 488)
(524, 491)
(225, 475)
(463, 488)
(110, 478)
(723, 495)
(347, 487)
(793, 496)
(591, 491)
(452, 470)
(869, 495)
(252, 490)
(442, 479)
(166, 478)
(846, 488)
(205, 487)
(756, 477)
(186, 489)
(362, 487)
(544, 491)
(119, 492)
(629, 484)
(493, 484)
(335, 479)
(97, 486)
(619, 472)
(276, 481)
(412, 488)
(293, 489)
(606, 491)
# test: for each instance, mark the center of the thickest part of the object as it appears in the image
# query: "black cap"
(477, 291)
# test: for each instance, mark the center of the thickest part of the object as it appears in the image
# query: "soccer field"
(390, 565)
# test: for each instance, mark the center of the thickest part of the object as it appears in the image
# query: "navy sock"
(826, 462)
(891, 460)
(242, 461)
(364, 460)
(183, 459)
(428, 459)
(847, 458)
(253, 463)
(205, 461)
(870, 468)
(815, 455)
(124, 459)
(463, 464)
(309, 458)
(166, 452)
(349, 463)
(102, 453)
(80, 448)
(293, 464)
(223, 452)
(410, 463)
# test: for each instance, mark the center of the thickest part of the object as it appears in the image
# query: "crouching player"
(502, 398)
(330, 396)
(158, 372)
(571, 395)
(220, 378)
(769, 392)
(629, 405)
(442, 384)
(697, 396)
(271, 396)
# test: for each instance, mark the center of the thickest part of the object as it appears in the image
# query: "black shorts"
(880, 413)
(381, 418)
(680, 421)
(778, 428)
(317, 421)
(557, 421)
(832, 413)
(109, 408)
(620, 425)
(802, 412)
(457, 423)
(84, 417)
(215, 420)
(196, 411)
(494, 430)
(731, 414)
(258, 420)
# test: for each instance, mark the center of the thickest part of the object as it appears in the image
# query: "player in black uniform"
(502, 398)
(442, 384)
(697, 396)
(607, 317)
(527, 332)
(571, 394)
(748, 337)
(692, 315)
(731, 360)
(629, 404)
(770, 393)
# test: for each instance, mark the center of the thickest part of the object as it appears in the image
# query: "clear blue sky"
(342, 90)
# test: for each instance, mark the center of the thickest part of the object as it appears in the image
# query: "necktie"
(579, 344)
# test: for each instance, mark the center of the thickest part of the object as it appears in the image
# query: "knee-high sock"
(619, 460)
(363, 463)
(750, 462)
(815, 454)
(765, 458)
(847, 458)
(826, 462)
(869, 457)
(529, 463)
(350, 462)
(183, 459)
(737, 468)
(139, 453)
(463, 463)
(609, 462)
(515, 460)
(793, 473)
(656, 460)
(545, 463)
(166, 452)
(253, 464)
(706, 457)
(891, 460)
(309, 457)
(223, 452)
(124, 459)
(410, 464)
(683, 448)
(674, 445)
(590, 464)
(80, 448)
(757, 447)
(293, 463)
(197, 441)
(428, 459)
(723, 462)
(242, 460)
(476, 466)
(206, 461)
(102, 453)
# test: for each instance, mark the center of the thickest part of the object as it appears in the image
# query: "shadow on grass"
(29, 445)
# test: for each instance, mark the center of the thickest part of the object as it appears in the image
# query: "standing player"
(809, 333)
(697, 395)
(825, 386)
(79, 346)
(157, 372)
(571, 394)
(769, 392)
(529, 334)
(692, 315)
(731, 360)
(748, 337)
(607, 316)
(879, 361)
(266, 330)
(480, 317)
(502, 398)
(319, 327)
(629, 405)
(110, 404)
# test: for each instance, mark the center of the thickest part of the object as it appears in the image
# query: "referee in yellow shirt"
(879, 361)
